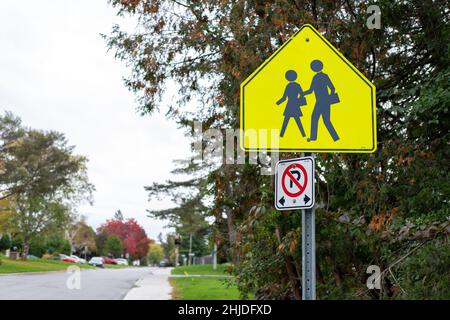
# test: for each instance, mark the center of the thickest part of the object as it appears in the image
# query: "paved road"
(99, 284)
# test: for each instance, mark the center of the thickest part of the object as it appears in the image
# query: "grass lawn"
(203, 289)
(207, 288)
(202, 269)
(115, 266)
(38, 265)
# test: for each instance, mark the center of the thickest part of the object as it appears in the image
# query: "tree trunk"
(25, 249)
(232, 236)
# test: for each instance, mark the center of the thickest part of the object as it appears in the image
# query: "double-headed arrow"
(283, 200)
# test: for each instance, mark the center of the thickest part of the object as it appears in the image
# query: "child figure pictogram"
(295, 99)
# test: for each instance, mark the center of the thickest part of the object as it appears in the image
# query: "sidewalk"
(154, 286)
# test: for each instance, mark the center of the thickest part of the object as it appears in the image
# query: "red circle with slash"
(288, 173)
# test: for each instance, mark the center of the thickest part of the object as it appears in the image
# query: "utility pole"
(215, 256)
(177, 249)
(190, 249)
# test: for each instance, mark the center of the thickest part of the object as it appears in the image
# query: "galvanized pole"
(177, 253)
(308, 253)
(215, 256)
(190, 249)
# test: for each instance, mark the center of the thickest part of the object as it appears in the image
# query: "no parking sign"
(294, 184)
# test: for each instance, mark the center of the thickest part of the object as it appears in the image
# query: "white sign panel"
(294, 184)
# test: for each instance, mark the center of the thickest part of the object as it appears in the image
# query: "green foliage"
(38, 247)
(155, 254)
(199, 245)
(262, 255)
(5, 242)
(16, 242)
(143, 262)
(57, 244)
(37, 163)
(40, 177)
(168, 247)
(189, 218)
(424, 275)
(100, 241)
(113, 246)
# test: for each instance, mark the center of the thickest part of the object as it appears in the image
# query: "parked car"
(97, 262)
(136, 263)
(80, 260)
(31, 257)
(164, 263)
(109, 260)
(63, 257)
(121, 262)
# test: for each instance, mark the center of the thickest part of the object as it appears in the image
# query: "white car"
(121, 262)
(80, 260)
(97, 262)
(136, 263)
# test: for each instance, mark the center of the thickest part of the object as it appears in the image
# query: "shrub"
(37, 247)
(57, 243)
(47, 256)
(5, 243)
(113, 246)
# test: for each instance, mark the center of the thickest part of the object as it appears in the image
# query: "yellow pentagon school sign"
(307, 97)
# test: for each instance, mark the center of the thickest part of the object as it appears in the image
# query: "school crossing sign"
(307, 97)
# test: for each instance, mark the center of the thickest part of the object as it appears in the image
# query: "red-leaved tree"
(133, 236)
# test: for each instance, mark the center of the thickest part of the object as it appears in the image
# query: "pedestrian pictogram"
(312, 97)
(294, 184)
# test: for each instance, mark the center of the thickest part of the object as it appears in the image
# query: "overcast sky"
(56, 73)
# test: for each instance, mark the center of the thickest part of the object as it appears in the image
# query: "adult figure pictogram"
(320, 85)
(295, 99)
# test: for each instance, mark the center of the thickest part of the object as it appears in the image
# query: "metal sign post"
(294, 189)
(309, 253)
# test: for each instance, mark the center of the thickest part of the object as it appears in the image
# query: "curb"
(30, 273)
(38, 272)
